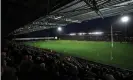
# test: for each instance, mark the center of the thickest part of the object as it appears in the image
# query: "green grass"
(92, 50)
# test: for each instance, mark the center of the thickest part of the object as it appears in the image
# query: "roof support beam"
(54, 12)
(94, 7)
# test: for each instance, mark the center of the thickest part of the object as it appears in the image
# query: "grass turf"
(92, 50)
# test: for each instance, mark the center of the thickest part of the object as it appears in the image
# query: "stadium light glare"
(83, 33)
(56, 38)
(96, 33)
(125, 19)
(90, 33)
(80, 34)
(59, 29)
(72, 34)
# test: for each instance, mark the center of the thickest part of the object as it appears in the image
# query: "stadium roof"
(76, 12)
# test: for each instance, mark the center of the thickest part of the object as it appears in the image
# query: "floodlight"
(125, 19)
(83, 33)
(96, 33)
(56, 38)
(80, 34)
(72, 34)
(90, 33)
(59, 29)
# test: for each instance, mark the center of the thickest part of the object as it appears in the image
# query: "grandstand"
(71, 40)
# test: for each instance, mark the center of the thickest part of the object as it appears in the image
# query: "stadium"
(75, 40)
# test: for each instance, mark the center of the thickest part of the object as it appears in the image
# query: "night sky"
(17, 13)
(101, 25)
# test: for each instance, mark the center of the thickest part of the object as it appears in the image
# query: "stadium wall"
(52, 33)
(96, 38)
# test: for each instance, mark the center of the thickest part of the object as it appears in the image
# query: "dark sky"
(90, 25)
(17, 13)
(100, 25)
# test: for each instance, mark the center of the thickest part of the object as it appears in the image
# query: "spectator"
(24, 68)
(7, 72)
(38, 60)
(109, 77)
(46, 66)
(30, 58)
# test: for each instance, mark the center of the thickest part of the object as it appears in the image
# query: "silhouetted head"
(109, 77)
(38, 58)
(30, 57)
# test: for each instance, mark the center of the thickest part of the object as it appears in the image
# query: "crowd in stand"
(21, 62)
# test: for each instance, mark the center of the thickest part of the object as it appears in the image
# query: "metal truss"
(78, 11)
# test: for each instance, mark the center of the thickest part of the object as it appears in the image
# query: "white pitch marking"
(111, 57)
